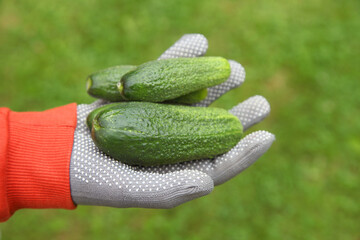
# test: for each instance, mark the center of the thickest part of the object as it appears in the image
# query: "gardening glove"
(97, 179)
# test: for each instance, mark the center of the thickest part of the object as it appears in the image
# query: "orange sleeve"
(35, 151)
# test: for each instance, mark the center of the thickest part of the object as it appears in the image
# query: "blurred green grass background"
(303, 56)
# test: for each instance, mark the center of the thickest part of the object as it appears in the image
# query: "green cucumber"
(148, 134)
(102, 84)
(92, 115)
(166, 79)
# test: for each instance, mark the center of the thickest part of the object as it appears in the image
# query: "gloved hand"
(97, 179)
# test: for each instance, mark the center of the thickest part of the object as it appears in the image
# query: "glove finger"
(237, 77)
(244, 154)
(189, 45)
(251, 111)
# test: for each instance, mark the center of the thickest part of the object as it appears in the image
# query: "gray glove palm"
(97, 179)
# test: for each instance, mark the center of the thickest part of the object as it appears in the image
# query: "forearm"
(35, 152)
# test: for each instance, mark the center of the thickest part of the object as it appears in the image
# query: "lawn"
(303, 56)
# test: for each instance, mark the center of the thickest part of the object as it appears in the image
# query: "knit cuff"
(38, 159)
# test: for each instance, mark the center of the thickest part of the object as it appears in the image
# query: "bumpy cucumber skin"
(102, 84)
(149, 134)
(191, 98)
(166, 79)
(91, 116)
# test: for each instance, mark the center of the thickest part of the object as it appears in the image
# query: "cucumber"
(191, 98)
(148, 134)
(92, 115)
(102, 84)
(166, 79)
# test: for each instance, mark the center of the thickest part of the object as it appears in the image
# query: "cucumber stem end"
(89, 84)
(121, 90)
